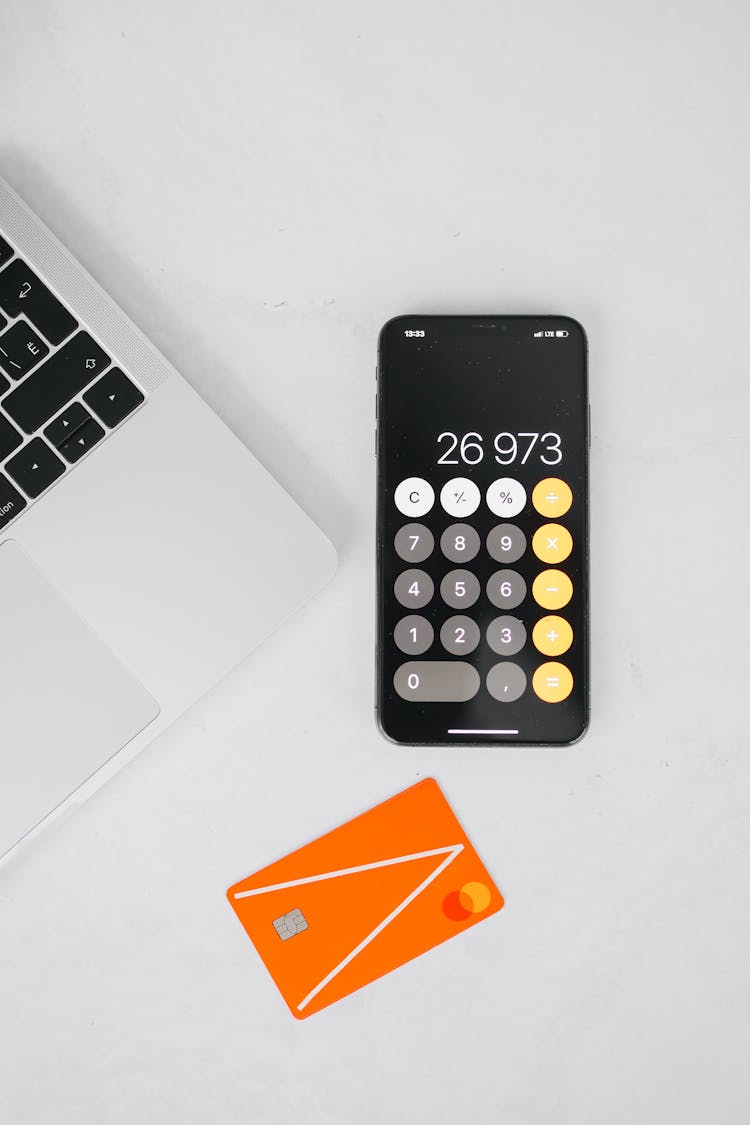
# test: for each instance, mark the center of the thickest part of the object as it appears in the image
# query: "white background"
(261, 185)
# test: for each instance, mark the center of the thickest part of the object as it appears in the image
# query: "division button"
(437, 681)
(506, 635)
(552, 543)
(414, 634)
(552, 498)
(414, 497)
(459, 589)
(552, 589)
(506, 543)
(460, 635)
(414, 542)
(552, 635)
(460, 542)
(506, 497)
(506, 589)
(460, 497)
(552, 682)
(413, 588)
(506, 682)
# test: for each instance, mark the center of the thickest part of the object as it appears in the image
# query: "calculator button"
(552, 543)
(414, 634)
(414, 497)
(506, 497)
(552, 635)
(552, 589)
(437, 681)
(460, 635)
(413, 588)
(506, 543)
(459, 589)
(506, 589)
(552, 497)
(460, 497)
(506, 635)
(414, 542)
(460, 542)
(552, 682)
(506, 682)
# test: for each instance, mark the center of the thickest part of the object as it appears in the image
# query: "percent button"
(506, 497)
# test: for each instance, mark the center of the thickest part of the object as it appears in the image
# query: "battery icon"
(562, 332)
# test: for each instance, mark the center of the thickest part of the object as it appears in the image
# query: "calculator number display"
(508, 447)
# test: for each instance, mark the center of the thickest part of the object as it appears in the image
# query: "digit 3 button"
(552, 589)
(552, 543)
(460, 497)
(414, 496)
(552, 682)
(552, 635)
(552, 498)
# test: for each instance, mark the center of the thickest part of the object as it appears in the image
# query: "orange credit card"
(365, 898)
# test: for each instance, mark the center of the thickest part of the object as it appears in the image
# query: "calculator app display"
(482, 530)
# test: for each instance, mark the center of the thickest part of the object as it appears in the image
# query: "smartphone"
(482, 530)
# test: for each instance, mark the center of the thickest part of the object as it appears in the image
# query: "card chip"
(291, 924)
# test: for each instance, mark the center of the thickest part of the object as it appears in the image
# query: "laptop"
(144, 552)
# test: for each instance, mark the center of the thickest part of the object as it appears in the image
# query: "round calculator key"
(506, 543)
(506, 497)
(552, 543)
(506, 589)
(506, 682)
(552, 682)
(414, 634)
(460, 542)
(460, 635)
(437, 681)
(552, 498)
(552, 589)
(414, 496)
(552, 635)
(460, 497)
(414, 542)
(459, 589)
(413, 589)
(506, 635)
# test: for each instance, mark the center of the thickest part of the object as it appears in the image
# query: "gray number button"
(506, 543)
(414, 542)
(506, 589)
(506, 682)
(460, 542)
(414, 634)
(437, 681)
(460, 635)
(506, 635)
(459, 589)
(413, 588)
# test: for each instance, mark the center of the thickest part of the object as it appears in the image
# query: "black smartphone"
(482, 530)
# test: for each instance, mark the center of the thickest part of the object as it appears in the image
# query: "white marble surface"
(261, 185)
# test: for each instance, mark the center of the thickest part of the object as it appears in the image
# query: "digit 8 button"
(552, 543)
(552, 497)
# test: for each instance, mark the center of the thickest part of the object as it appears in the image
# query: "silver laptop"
(143, 550)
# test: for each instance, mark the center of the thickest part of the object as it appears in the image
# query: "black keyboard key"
(83, 439)
(20, 350)
(4, 384)
(6, 251)
(66, 424)
(3, 322)
(11, 502)
(58, 380)
(10, 438)
(35, 467)
(113, 397)
(21, 291)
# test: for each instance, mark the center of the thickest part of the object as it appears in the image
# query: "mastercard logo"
(470, 899)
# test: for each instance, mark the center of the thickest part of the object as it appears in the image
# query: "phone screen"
(482, 530)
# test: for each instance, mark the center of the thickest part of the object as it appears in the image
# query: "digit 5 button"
(552, 543)
(414, 496)
(552, 497)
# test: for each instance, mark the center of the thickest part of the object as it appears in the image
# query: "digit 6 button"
(552, 543)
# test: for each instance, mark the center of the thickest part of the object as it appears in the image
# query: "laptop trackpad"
(66, 703)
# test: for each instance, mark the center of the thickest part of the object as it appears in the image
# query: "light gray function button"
(506, 635)
(460, 635)
(413, 588)
(414, 634)
(506, 543)
(459, 589)
(506, 682)
(506, 589)
(414, 542)
(437, 681)
(460, 542)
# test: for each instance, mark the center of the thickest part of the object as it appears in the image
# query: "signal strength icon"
(538, 333)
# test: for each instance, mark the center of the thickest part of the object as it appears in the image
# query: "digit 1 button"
(460, 497)
(552, 543)
(552, 682)
(460, 542)
(506, 497)
(437, 681)
(413, 588)
(413, 634)
(552, 497)
(414, 542)
(552, 589)
(414, 497)
(552, 635)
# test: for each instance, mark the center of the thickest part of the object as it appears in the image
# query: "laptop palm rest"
(66, 703)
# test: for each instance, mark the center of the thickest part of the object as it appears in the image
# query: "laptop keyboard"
(60, 394)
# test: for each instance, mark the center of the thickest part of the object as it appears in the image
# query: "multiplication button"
(414, 496)
(413, 588)
(506, 543)
(552, 498)
(414, 542)
(552, 543)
